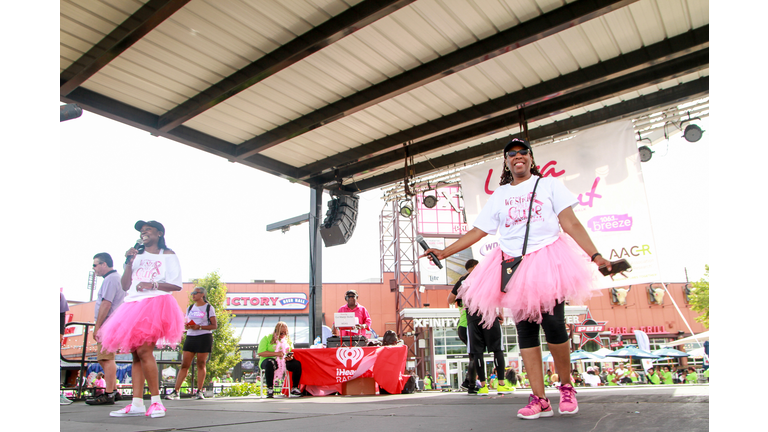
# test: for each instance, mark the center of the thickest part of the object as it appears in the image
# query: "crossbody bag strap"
(530, 208)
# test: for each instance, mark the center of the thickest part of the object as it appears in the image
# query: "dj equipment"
(355, 341)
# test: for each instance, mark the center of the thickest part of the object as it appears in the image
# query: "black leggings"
(270, 366)
(553, 325)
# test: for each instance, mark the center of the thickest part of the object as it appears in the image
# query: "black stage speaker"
(340, 220)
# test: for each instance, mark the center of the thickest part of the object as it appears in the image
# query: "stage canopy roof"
(339, 94)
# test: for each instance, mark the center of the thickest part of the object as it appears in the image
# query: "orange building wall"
(639, 312)
(380, 301)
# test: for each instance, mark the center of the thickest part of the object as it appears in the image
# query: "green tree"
(699, 298)
(225, 353)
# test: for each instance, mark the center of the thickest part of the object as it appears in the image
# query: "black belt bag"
(509, 265)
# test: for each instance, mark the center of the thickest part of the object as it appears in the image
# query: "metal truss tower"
(399, 255)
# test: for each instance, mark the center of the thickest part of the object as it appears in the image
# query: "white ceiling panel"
(602, 40)
(496, 12)
(624, 30)
(437, 16)
(173, 70)
(674, 16)
(647, 13)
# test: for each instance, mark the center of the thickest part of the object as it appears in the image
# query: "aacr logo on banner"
(601, 167)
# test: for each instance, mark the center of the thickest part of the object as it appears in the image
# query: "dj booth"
(326, 370)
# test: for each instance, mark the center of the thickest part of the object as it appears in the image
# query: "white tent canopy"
(701, 337)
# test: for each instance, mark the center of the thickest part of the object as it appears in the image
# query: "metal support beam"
(146, 121)
(643, 78)
(315, 265)
(327, 33)
(130, 31)
(538, 28)
(625, 64)
(680, 93)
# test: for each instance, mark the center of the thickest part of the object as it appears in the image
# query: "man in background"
(361, 313)
(110, 297)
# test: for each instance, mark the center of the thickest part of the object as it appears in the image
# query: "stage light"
(406, 209)
(645, 153)
(692, 133)
(430, 201)
(400, 288)
(421, 288)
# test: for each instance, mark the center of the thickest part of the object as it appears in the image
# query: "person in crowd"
(556, 268)
(108, 299)
(555, 379)
(272, 357)
(149, 316)
(653, 377)
(692, 377)
(612, 378)
(706, 374)
(576, 378)
(462, 327)
(666, 376)
(63, 308)
(99, 384)
(200, 323)
(361, 313)
(507, 384)
(428, 382)
(591, 379)
(632, 375)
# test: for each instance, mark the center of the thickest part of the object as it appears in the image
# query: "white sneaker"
(129, 411)
(200, 395)
(156, 410)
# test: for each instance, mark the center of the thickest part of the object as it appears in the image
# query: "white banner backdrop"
(601, 166)
(430, 273)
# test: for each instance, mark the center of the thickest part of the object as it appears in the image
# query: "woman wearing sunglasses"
(555, 268)
(200, 324)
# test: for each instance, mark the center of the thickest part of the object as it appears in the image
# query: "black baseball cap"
(154, 224)
(517, 142)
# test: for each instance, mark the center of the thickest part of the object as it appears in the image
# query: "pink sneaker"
(156, 410)
(568, 404)
(537, 407)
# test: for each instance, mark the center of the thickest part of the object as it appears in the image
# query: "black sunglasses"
(94, 266)
(522, 152)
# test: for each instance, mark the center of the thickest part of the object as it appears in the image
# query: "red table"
(326, 367)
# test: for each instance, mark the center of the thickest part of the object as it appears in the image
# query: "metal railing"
(80, 387)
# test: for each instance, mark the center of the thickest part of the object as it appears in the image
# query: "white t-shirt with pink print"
(149, 267)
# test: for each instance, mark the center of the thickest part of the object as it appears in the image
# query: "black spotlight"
(692, 133)
(645, 153)
(430, 201)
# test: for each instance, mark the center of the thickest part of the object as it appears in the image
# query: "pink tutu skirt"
(555, 273)
(156, 319)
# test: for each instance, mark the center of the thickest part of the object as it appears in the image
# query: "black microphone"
(420, 240)
(139, 246)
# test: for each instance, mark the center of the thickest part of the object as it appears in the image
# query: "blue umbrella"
(547, 358)
(670, 352)
(631, 351)
(585, 355)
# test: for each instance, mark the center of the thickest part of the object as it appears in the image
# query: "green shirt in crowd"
(610, 379)
(692, 378)
(267, 345)
(654, 379)
(462, 317)
(666, 378)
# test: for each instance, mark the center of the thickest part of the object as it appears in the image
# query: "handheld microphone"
(420, 240)
(139, 246)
